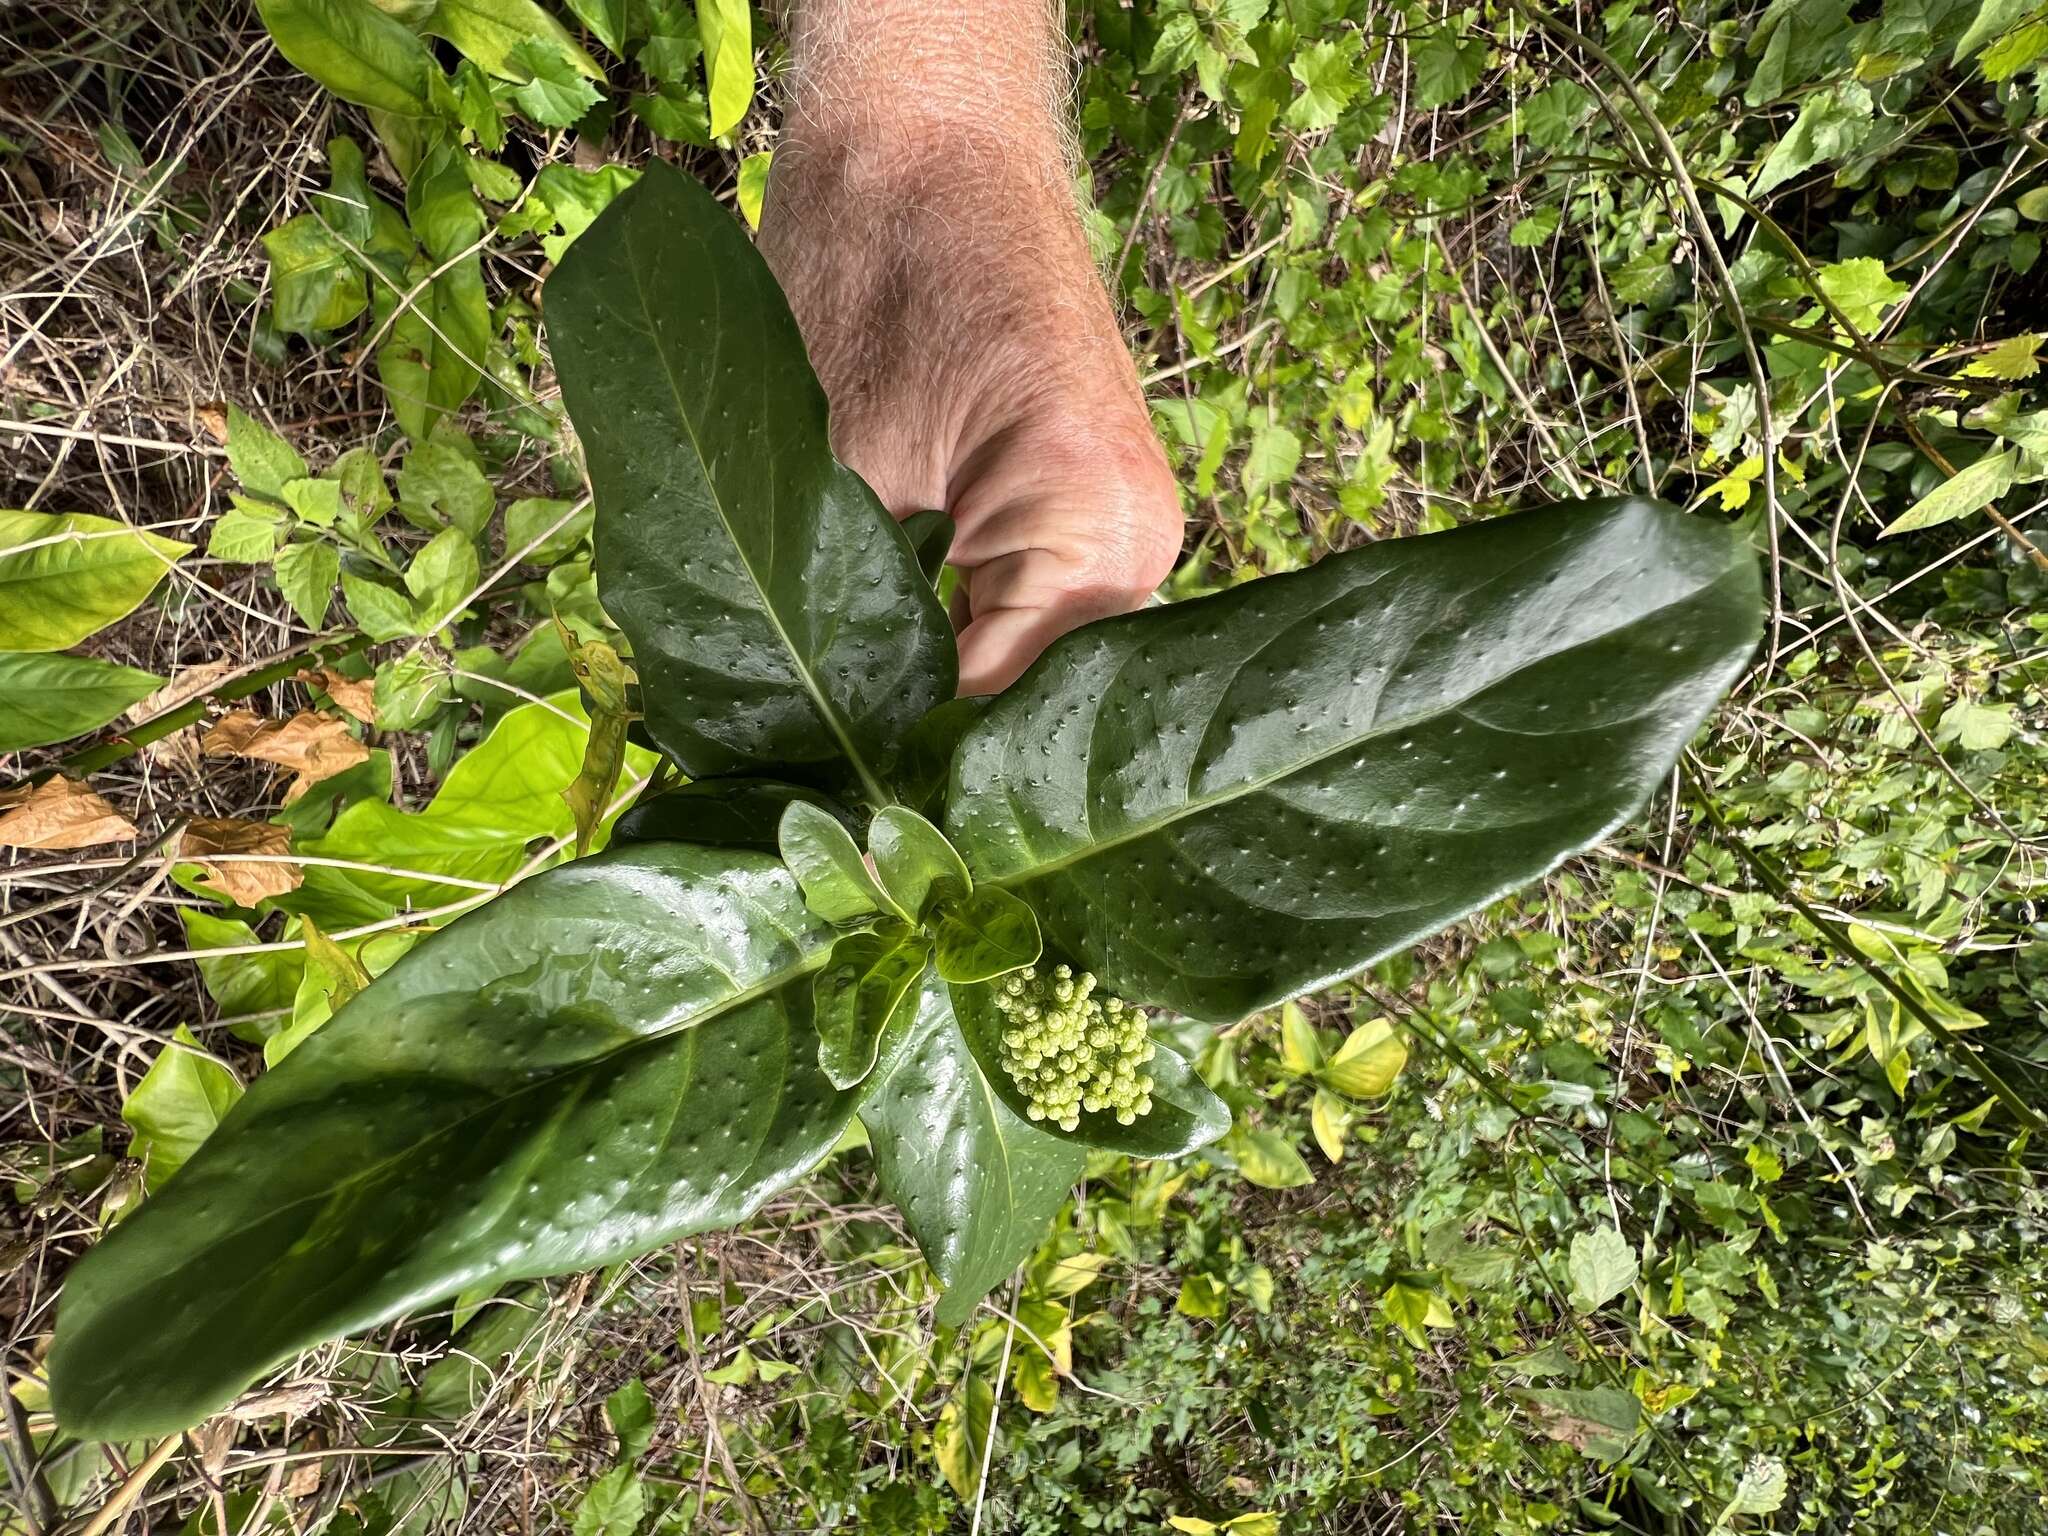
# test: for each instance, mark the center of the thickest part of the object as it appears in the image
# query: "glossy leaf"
(924, 762)
(1185, 1114)
(976, 1181)
(918, 866)
(982, 935)
(717, 813)
(864, 989)
(822, 854)
(612, 1055)
(65, 575)
(779, 621)
(354, 49)
(45, 698)
(931, 538)
(1223, 803)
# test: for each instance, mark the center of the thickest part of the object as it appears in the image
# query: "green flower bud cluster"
(1070, 1050)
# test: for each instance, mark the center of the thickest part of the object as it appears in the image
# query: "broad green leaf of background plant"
(612, 1055)
(1185, 1113)
(64, 575)
(977, 1182)
(982, 935)
(727, 27)
(354, 49)
(779, 621)
(499, 799)
(1224, 803)
(176, 1107)
(1602, 1266)
(866, 987)
(46, 698)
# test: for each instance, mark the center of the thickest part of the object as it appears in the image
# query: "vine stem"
(1843, 945)
(105, 754)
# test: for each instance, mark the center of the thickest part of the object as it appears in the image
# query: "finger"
(1030, 578)
(997, 645)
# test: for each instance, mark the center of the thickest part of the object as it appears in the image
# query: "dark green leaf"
(925, 760)
(315, 283)
(826, 861)
(613, 1054)
(918, 866)
(1185, 1113)
(1220, 804)
(982, 935)
(931, 538)
(864, 988)
(631, 1412)
(975, 1180)
(778, 618)
(53, 698)
(717, 813)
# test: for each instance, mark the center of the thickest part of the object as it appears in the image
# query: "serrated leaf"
(555, 92)
(247, 533)
(778, 619)
(1217, 839)
(977, 1183)
(50, 698)
(65, 575)
(612, 1055)
(1602, 1266)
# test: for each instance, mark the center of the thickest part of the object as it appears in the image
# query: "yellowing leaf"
(1269, 1160)
(65, 575)
(1301, 1049)
(1329, 1117)
(313, 746)
(59, 813)
(243, 882)
(727, 27)
(753, 186)
(1368, 1061)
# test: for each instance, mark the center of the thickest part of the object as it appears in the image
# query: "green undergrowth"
(1639, 1204)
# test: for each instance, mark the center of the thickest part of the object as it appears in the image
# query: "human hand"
(926, 233)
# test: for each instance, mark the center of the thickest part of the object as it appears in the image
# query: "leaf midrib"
(839, 727)
(1194, 807)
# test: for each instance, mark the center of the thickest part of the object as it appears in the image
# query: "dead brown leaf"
(60, 813)
(242, 883)
(186, 685)
(357, 695)
(214, 417)
(312, 745)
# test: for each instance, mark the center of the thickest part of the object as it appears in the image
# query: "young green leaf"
(1602, 1266)
(48, 698)
(1401, 734)
(918, 866)
(1185, 1113)
(611, 1055)
(727, 27)
(827, 864)
(865, 988)
(977, 1182)
(982, 935)
(1973, 487)
(177, 1106)
(779, 621)
(65, 575)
